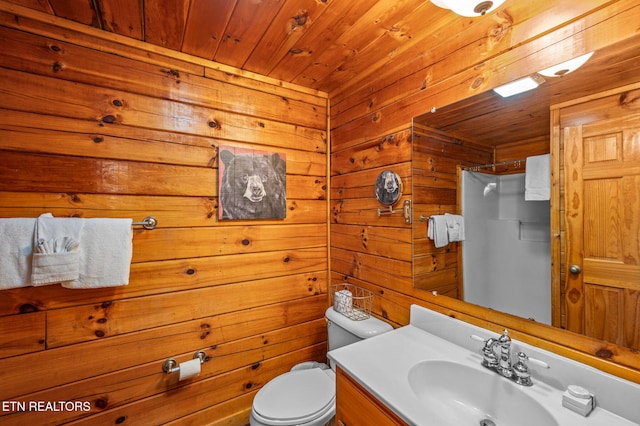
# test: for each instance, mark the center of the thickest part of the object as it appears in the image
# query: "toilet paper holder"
(170, 365)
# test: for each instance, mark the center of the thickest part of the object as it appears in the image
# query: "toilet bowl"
(306, 395)
(300, 397)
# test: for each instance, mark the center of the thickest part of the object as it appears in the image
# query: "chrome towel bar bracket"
(406, 211)
(148, 222)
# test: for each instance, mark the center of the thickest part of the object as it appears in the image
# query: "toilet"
(306, 395)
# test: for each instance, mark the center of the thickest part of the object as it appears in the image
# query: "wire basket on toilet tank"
(352, 301)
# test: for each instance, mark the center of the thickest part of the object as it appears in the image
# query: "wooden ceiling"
(320, 44)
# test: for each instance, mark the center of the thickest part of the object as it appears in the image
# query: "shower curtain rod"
(486, 166)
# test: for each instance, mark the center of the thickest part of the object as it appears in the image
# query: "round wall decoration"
(388, 187)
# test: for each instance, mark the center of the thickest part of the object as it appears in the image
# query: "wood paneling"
(436, 158)
(21, 334)
(120, 132)
(521, 150)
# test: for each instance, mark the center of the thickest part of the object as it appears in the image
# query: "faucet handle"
(536, 361)
(478, 338)
(521, 372)
(489, 358)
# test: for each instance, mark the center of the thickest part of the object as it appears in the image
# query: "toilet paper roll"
(189, 369)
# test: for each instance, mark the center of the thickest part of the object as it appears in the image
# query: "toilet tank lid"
(363, 329)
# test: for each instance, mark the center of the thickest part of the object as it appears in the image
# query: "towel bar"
(148, 222)
(492, 165)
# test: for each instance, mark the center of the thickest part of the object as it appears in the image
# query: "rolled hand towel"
(55, 257)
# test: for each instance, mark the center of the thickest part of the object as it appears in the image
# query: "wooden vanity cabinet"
(355, 406)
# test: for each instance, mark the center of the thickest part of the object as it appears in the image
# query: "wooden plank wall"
(92, 128)
(370, 124)
(436, 157)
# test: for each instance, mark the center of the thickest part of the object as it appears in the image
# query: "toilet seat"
(296, 397)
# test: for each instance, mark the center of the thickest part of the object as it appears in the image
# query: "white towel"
(55, 257)
(16, 248)
(455, 227)
(537, 178)
(437, 230)
(105, 254)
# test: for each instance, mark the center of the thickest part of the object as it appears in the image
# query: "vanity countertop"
(382, 365)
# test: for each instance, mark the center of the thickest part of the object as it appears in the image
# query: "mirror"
(388, 187)
(499, 130)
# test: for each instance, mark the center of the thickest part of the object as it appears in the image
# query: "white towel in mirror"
(437, 230)
(455, 226)
(537, 178)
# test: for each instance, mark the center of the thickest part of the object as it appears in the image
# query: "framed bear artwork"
(251, 184)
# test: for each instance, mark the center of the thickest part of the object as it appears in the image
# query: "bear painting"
(252, 184)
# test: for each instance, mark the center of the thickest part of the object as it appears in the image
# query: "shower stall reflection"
(506, 253)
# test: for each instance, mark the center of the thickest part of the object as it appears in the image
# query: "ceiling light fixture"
(470, 8)
(519, 86)
(566, 67)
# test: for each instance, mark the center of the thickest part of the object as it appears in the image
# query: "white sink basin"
(463, 395)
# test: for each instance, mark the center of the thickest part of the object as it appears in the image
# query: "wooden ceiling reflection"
(491, 120)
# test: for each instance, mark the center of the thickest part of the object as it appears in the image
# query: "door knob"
(575, 269)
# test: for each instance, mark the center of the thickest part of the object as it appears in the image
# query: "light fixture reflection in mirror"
(469, 8)
(519, 86)
(531, 82)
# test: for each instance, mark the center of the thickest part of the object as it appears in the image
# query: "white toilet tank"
(343, 331)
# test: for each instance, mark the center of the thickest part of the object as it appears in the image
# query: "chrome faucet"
(501, 362)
